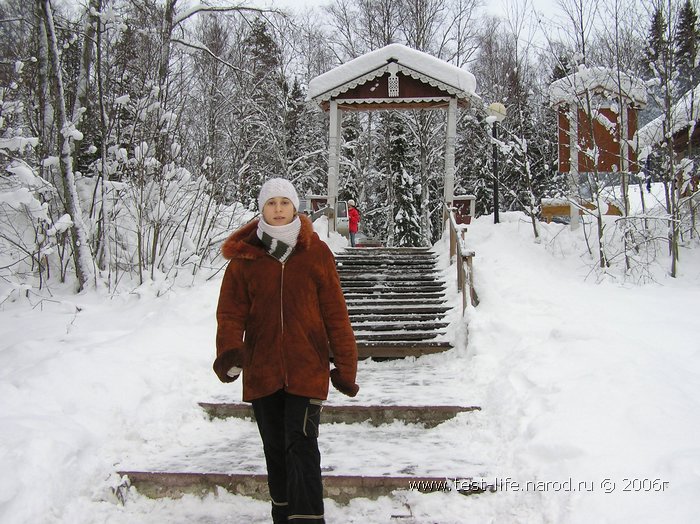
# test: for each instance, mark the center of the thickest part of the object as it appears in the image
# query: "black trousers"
(288, 426)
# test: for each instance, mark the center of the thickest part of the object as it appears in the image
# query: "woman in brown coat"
(281, 313)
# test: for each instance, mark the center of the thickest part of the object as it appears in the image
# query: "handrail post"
(465, 279)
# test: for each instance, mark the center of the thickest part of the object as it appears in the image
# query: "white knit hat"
(351, 202)
(278, 187)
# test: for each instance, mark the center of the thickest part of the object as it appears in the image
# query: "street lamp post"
(496, 113)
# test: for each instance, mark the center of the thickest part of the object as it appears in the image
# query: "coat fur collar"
(244, 242)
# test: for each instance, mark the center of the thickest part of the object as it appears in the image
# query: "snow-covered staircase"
(396, 300)
(398, 305)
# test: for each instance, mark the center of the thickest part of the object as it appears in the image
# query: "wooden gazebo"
(608, 99)
(393, 77)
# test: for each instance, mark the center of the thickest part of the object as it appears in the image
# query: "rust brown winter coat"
(279, 322)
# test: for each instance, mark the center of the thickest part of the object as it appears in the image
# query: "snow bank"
(586, 382)
(336, 242)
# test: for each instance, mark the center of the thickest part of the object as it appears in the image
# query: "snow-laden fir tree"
(264, 113)
(407, 232)
(306, 133)
(686, 47)
(394, 156)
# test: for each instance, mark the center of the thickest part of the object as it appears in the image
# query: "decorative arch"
(393, 77)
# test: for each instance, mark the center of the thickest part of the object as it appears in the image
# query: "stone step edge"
(428, 416)
(340, 488)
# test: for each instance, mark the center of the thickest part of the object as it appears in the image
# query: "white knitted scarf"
(279, 240)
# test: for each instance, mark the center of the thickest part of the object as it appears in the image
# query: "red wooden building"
(597, 120)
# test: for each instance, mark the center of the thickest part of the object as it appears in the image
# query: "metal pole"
(495, 173)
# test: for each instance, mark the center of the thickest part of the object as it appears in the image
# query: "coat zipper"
(284, 363)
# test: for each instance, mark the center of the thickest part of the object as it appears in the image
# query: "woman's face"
(278, 211)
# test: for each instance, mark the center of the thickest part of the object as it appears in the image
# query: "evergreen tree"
(686, 47)
(306, 128)
(656, 47)
(562, 68)
(472, 170)
(407, 218)
(394, 156)
(263, 114)
(655, 53)
(352, 165)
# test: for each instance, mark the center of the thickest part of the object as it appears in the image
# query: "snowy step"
(393, 449)
(428, 416)
(371, 336)
(363, 301)
(340, 488)
(394, 317)
(386, 260)
(388, 264)
(399, 349)
(386, 249)
(374, 272)
(382, 309)
(380, 253)
(395, 285)
(358, 294)
(398, 327)
(386, 269)
(378, 289)
(388, 277)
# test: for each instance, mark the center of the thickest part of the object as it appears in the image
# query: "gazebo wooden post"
(450, 151)
(334, 139)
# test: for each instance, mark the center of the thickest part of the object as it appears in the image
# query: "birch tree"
(68, 134)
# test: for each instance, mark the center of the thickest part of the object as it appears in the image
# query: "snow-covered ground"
(586, 384)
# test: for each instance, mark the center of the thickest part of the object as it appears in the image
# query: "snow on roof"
(683, 115)
(569, 88)
(323, 87)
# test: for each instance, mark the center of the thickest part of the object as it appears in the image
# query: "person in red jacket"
(281, 312)
(353, 221)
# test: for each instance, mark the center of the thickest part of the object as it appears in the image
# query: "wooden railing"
(465, 275)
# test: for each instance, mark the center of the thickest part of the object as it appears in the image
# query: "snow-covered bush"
(26, 232)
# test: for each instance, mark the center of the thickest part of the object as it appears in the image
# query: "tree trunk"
(162, 152)
(86, 60)
(82, 257)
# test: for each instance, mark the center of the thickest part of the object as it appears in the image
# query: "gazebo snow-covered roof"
(395, 76)
(598, 81)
